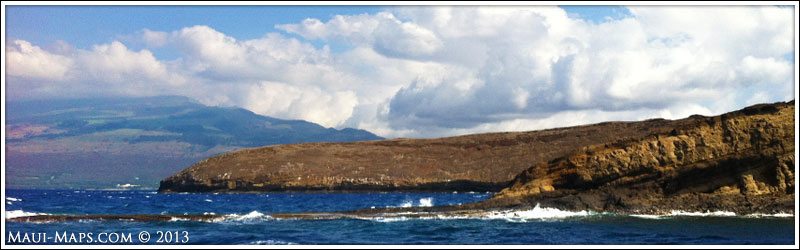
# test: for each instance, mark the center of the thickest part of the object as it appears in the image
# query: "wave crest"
(254, 216)
(20, 213)
(537, 213)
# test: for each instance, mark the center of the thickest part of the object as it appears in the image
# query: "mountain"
(481, 162)
(102, 142)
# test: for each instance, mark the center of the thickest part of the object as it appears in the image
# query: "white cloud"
(437, 71)
(26, 60)
(562, 64)
(114, 63)
(383, 31)
(105, 69)
(301, 102)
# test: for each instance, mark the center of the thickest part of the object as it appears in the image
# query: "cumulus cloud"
(383, 32)
(561, 64)
(439, 70)
(106, 69)
(114, 63)
(29, 61)
(302, 102)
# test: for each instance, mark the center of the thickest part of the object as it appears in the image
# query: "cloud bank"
(440, 71)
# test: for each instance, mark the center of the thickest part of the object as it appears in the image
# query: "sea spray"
(537, 213)
(426, 202)
(423, 202)
(20, 213)
(253, 216)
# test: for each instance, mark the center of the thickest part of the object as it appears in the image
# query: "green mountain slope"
(102, 142)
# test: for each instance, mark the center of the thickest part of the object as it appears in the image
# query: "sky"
(412, 71)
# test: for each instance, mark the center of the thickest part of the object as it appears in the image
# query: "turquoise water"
(247, 223)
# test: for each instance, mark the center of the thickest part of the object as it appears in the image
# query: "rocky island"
(740, 161)
(479, 162)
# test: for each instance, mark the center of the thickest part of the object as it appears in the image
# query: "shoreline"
(536, 213)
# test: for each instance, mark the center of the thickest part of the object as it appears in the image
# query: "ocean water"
(247, 223)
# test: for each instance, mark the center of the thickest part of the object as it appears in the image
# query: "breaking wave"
(537, 213)
(20, 213)
(271, 242)
(426, 202)
(254, 216)
(680, 213)
(423, 202)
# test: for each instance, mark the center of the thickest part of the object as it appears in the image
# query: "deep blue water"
(248, 227)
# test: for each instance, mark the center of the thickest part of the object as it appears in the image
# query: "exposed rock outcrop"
(741, 161)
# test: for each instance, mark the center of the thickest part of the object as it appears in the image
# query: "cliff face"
(742, 161)
(482, 162)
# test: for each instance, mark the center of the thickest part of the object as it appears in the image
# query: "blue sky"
(419, 71)
(84, 26)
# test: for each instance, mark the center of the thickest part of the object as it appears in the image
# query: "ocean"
(247, 222)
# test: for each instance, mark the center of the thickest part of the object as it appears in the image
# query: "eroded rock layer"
(743, 161)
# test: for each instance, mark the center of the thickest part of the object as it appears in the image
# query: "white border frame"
(398, 3)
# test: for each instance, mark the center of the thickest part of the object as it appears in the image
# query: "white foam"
(390, 219)
(407, 204)
(20, 213)
(779, 215)
(681, 213)
(701, 214)
(253, 216)
(13, 199)
(677, 213)
(426, 202)
(537, 213)
(648, 216)
(207, 200)
(127, 185)
(396, 218)
(271, 242)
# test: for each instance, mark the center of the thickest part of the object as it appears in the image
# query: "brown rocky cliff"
(481, 162)
(742, 161)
